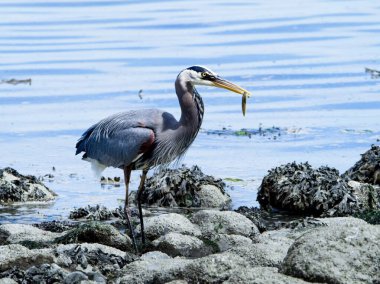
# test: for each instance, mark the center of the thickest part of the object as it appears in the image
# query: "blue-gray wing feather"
(117, 140)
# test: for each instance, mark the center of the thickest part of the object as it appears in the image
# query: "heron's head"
(199, 75)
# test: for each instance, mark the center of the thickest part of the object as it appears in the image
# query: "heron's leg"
(139, 195)
(127, 178)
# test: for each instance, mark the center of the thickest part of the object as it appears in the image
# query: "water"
(304, 63)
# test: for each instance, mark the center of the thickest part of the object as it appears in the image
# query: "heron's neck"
(191, 105)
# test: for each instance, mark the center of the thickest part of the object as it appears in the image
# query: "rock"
(153, 255)
(22, 257)
(56, 226)
(367, 195)
(254, 255)
(185, 187)
(344, 252)
(175, 282)
(261, 275)
(175, 244)
(15, 187)
(168, 223)
(26, 235)
(96, 232)
(255, 215)
(225, 242)
(301, 189)
(44, 273)
(211, 196)
(213, 222)
(7, 281)
(367, 169)
(153, 271)
(214, 268)
(75, 277)
(95, 213)
(92, 257)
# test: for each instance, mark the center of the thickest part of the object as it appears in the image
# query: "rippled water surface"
(303, 61)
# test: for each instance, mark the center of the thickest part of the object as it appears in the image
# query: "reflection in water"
(88, 59)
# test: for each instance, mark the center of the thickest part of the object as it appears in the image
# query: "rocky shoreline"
(326, 245)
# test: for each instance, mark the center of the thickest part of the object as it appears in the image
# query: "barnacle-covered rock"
(95, 213)
(301, 189)
(15, 187)
(185, 187)
(367, 169)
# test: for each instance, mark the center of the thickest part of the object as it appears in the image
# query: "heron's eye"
(204, 74)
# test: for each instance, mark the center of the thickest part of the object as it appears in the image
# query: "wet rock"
(346, 251)
(185, 187)
(92, 258)
(95, 213)
(45, 273)
(15, 187)
(225, 242)
(213, 222)
(22, 257)
(56, 226)
(175, 244)
(301, 189)
(255, 215)
(160, 225)
(96, 232)
(26, 235)
(153, 271)
(261, 275)
(75, 277)
(367, 169)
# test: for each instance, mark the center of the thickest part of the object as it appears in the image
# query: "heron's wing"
(116, 141)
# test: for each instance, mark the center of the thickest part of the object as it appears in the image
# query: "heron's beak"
(221, 83)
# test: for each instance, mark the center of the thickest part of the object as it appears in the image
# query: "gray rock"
(213, 222)
(15, 187)
(175, 244)
(367, 169)
(211, 196)
(22, 257)
(368, 195)
(261, 275)
(96, 232)
(168, 223)
(225, 242)
(276, 243)
(177, 282)
(153, 255)
(185, 187)
(301, 189)
(338, 253)
(154, 271)
(27, 235)
(75, 277)
(7, 281)
(254, 255)
(213, 268)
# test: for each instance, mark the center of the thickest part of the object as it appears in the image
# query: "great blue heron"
(143, 139)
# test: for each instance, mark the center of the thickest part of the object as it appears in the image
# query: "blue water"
(303, 61)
